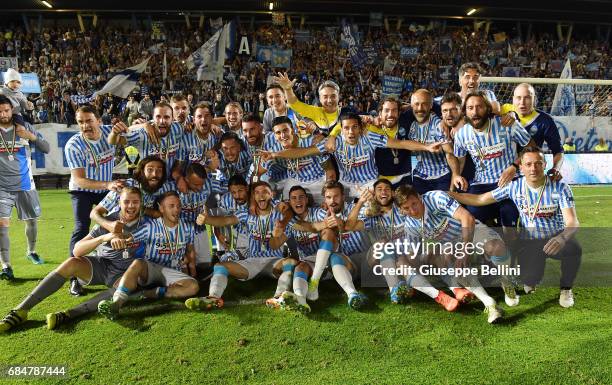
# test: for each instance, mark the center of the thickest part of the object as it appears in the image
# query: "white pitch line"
(593, 196)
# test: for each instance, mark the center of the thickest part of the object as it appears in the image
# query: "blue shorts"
(505, 212)
(425, 185)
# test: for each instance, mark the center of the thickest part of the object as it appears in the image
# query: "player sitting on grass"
(548, 216)
(168, 269)
(435, 217)
(383, 222)
(307, 246)
(259, 219)
(344, 251)
(105, 269)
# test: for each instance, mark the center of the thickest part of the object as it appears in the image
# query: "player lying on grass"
(435, 217)
(259, 219)
(114, 257)
(548, 216)
(168, 268)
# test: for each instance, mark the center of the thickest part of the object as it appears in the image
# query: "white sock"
(121, 295)
(420, 283)
(482, 295)
(389, 263)
(321, 259)
(300, 286)
(284, 281)
(479, 291)
(344, 278)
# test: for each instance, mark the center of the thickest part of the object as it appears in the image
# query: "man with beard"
(195, 144)
(259, 219)
(113, 258)
(168, 269)
(540, 125)
(233, 158)
(383, 222)
(451, 119)
(232, 240)
(491, 148)
(354, 151)
(277, 106)
(168, 145)
(436, 218)
(548, 216)
(307, 244)
(149, 177)
(432, 171)
(308, 172)
(393, 164)
(256, 140)
(91, 160)
(233, 118)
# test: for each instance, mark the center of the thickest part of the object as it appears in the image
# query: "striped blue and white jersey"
(429, 165)
(167, 150)
(383, 228)
(547, 221)
(259, 229)
(492, 150)
(356, 162)
(163, 245)
(228, 169)
(193, 148)
(111, 200)
(307, 169)
(267, 144)
(229, 206)
(307, 243)
(192, 202)
(96, 157)
(15, 163)
(438, 223)
(351, 242)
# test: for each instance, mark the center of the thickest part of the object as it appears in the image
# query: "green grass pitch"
(163, 343)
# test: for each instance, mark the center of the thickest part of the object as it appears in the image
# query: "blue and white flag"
(79, 100)
(564, 103)
(124, 82)
(349, 36)
(210, 57)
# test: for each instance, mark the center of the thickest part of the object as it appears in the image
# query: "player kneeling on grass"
(434, 218)
(259, 219)
(548, 216)
(168, 270)
(114, 257)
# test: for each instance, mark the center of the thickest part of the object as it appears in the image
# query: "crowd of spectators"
(69, 62)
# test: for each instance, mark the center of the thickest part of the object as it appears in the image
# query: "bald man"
(438, 171)
(540, 125)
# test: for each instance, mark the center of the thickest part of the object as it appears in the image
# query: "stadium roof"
(580, 11)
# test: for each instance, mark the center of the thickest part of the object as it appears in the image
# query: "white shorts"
(484, 234)
(201, 245)
(158, 275)
(310, 261)
(258, 266)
